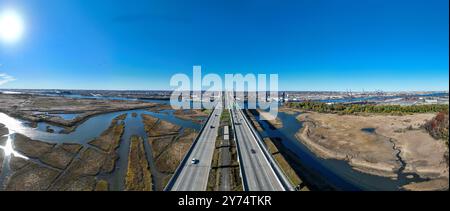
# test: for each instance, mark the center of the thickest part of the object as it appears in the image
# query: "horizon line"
(348, 90)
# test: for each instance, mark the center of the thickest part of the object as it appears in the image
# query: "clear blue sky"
(311, 44)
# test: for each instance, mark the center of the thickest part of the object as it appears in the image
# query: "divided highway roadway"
(194, 177)
(257, 171)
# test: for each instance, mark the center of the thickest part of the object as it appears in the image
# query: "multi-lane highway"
(194, 176)
(257, 171)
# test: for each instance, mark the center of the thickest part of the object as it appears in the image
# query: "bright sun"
(11, 26)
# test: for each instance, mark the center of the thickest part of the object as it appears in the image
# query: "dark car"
(194, 161)
(253, 151)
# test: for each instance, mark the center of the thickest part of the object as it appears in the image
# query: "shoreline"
(360, 165)
(36, 109)
(71, 125)
(279, 154)
(367, 152)
(274, 122)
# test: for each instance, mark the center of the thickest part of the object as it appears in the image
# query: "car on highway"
(212, 126)
(194, 161)
(253, 151)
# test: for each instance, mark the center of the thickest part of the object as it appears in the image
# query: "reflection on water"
(8, 149)
(45, 127)
(134, 126)
(86, 132)
(90, 129)
(308, 165)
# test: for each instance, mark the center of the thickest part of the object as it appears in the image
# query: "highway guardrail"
(184, 160)
(241, 168)
(278, 171)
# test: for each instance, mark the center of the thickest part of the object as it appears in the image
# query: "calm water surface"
(336, 174)
(92, 128)
(325, 173)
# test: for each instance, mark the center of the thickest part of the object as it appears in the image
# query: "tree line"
(343, 108)
(438, 126)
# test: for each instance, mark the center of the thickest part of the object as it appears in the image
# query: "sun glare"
(11, 26)
(9, 149)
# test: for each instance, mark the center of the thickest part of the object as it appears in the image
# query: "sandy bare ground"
(34, 108)
(195, 115)
(274, 121)
(341, 137)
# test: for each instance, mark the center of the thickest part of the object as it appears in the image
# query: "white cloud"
(5, 78)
